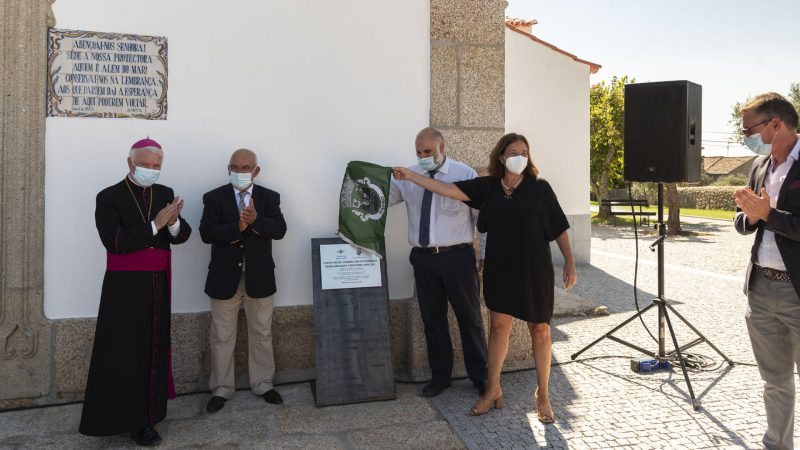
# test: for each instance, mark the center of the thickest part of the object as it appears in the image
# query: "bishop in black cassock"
(130, 376)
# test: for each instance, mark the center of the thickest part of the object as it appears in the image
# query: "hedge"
(698, 197)
(708, 197)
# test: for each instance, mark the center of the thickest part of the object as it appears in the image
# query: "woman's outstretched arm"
(435, 186)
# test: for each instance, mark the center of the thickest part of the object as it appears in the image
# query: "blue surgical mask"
(756, 144)
(241, 180)
(145, 177)
(428, 163)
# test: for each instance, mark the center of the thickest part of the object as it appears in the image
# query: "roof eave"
(593, 67)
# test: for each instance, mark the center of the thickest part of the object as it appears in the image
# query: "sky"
(733, 48)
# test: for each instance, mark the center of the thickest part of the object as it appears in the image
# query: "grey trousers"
(773, 322)
(260, 356)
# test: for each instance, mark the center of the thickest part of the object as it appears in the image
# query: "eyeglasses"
(746, 131)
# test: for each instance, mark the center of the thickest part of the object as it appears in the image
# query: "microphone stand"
(663, 314)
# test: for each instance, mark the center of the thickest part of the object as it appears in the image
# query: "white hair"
(135, 151)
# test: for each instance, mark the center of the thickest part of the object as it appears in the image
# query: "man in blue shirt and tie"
(441, 230)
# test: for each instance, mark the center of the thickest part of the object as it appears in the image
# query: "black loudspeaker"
(662, 131)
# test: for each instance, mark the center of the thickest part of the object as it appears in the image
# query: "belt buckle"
(435, 249)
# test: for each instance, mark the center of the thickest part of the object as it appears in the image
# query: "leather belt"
(436, 249)
(774, 274)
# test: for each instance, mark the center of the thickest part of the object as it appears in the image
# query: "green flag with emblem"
(362, 205)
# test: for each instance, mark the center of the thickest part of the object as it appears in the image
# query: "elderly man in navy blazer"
(240, 221)
(770, 206)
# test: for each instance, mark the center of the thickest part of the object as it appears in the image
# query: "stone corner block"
(25, 355)
(293, 337)
(398, 334)
(468, 21)
(188, 346)
(74, 339)
(482, 91)
(444, 86)
(472, 147)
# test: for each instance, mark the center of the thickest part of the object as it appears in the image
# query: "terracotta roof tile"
(516, 24)
(520, 22)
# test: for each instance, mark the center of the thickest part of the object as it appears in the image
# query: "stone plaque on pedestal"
(351, 323)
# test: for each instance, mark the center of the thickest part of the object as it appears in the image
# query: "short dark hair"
(772, 105)
(496, 167)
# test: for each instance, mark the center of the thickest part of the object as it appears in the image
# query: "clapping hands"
(756, 207)
(169, 214)
(247, 216)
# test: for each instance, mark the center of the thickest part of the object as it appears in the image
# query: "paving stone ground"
(247, 422)
(599, 402)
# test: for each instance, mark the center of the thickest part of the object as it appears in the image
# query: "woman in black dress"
(521, 215)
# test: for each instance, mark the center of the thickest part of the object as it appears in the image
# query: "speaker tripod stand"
(664, 308)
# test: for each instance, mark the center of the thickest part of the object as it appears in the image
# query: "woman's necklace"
(149, 209)
(510, 189)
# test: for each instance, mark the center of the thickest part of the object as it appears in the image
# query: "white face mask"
(241, 180)
(145, 177)
(429, 163)
(516, 164)
(756, 144)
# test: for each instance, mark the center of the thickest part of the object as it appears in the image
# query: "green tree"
(606, 138)
(794, 97)
(735, 121)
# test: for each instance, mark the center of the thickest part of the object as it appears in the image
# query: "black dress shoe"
(146, 437)
(435, 388)
(272, 396)
(215, 404)
(480, 386)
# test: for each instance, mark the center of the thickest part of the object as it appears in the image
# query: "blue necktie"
(425, 216)
(242, 204)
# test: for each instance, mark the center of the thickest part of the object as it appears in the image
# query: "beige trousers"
(260, 356)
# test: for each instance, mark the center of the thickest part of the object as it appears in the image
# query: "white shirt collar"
(794, 155)
(249, 190)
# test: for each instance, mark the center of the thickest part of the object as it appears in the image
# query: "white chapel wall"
(547, 100)
(308, 85)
